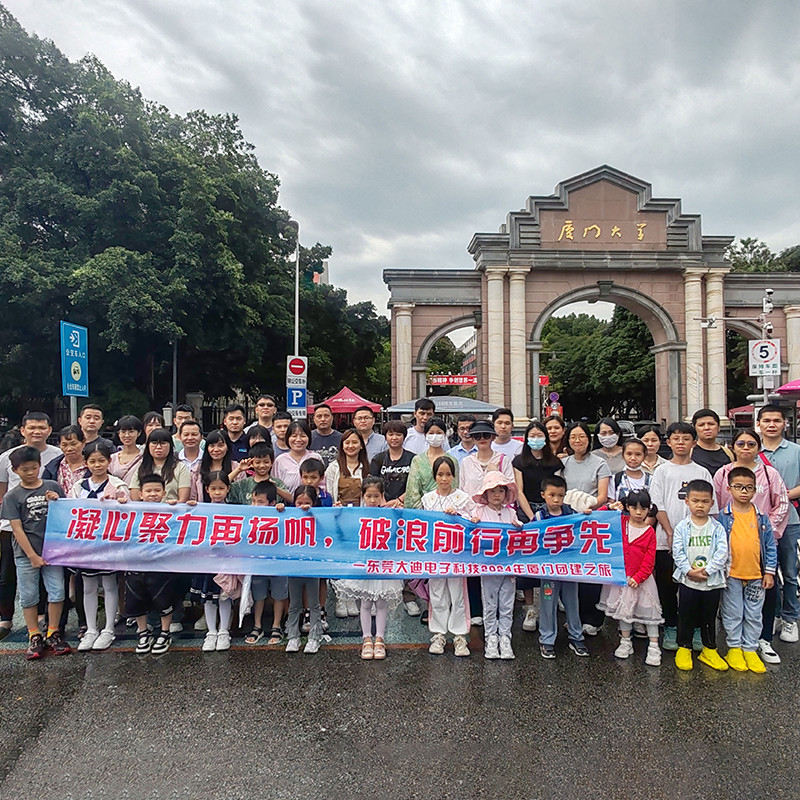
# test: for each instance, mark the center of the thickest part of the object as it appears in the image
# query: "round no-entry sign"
(297, 366)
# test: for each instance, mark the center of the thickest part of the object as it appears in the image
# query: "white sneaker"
(519, 596)
(529, 623)
(340, 608)
(104, 640)
(653, 657)
(293, 645)
(460, 646)
(590, 630)
(491, 648)
(312, 646)
(223, 641)
(88, 640)
(476, 621)
(768, 655)
(201, 624)
(789, 632)
(506, 651)
(210, 642)
(413, 609)
(175, 627)
(352, 609)
(625, 649)
(437, 644)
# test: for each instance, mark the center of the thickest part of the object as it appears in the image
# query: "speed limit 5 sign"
(765, 357)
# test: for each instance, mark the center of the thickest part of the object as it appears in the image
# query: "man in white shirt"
(415, 442)
(364, 423)
(466, 445)
(503, 421)
(191, 435)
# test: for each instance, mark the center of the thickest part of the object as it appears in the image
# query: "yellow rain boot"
(713, 659)
(683, 658)
(736, 660)
(754, 663)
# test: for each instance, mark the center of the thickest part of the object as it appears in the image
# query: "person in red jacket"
(638, 601)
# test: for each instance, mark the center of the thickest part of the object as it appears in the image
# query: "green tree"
(445, 358)
(753, 255)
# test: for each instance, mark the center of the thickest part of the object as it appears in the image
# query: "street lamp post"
(295, 225)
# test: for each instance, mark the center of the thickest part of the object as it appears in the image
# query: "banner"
(328, 542)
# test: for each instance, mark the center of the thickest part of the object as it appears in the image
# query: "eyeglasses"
(478, 436)
(739, 487)
(748, 445)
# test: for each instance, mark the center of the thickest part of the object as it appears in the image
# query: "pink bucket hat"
(490, 480)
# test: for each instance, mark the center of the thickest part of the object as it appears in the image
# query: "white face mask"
(608, 441)
(434, 439)
(537, 444)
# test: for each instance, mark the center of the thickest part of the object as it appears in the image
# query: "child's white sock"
(210, 610)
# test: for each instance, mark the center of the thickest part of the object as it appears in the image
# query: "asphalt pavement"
(260, 723)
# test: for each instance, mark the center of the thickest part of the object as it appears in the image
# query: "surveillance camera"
(769, 292)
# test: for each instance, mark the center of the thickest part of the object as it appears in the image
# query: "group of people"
(709, 530)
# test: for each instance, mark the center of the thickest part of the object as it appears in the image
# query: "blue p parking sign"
(74, 360)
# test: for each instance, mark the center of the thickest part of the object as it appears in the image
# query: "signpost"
(765, 357)
(296, 382)
(74, 365)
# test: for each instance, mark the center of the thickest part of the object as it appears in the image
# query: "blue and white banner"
(329, 542)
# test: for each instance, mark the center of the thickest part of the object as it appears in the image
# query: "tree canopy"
(149, 227)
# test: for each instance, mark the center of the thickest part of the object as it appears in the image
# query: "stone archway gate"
(599, 236)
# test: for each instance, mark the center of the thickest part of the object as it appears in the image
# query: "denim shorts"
(28, 582)
(263, 585)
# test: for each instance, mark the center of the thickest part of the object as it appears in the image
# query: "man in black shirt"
(707, 452)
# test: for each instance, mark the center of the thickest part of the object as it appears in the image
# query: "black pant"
(768, 612)
(475, 596)
(69, 605)
(667, 588)
(588, 598)
(8, 577)
(698, 609)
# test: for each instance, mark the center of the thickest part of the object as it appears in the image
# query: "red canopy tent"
(346, 401)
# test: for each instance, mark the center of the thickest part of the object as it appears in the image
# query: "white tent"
(448, 404)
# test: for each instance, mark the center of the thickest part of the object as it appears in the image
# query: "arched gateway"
(600, 236)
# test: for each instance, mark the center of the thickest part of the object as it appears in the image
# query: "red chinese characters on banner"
(186, 521)
(490, 538)
(114, 519)
(300, 532)
(226, 529)
(374, 534)
(154, 527)
(448, 537)
(85, 523)
(264, 531)
(557, 538)
(412, 535)
(595, 534)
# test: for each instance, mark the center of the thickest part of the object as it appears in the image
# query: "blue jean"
(548, 611)
(28, 583)
(787, 558)
(741, 606)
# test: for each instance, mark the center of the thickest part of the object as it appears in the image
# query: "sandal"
(366, 650)
(275, 636)
(379, 651)
(255, 636)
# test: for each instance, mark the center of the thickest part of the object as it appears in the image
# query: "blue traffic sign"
(74, 360)
(296, 401)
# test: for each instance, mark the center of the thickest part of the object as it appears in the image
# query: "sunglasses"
(748, 445)
(479, 436)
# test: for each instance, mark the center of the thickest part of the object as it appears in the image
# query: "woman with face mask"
(420, 473)
(608, 444)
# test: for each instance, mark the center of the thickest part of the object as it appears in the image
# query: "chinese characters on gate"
(594, 231)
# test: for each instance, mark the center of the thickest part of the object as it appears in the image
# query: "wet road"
(247, 724)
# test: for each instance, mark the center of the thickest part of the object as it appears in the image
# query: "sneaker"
(89, 638)
(506, 651)
(312, 646)
(352, 609)
(4, 632)
(697, 641)
(201, 624)
(670, 639)
(491, 648)
(144, 642)
(735, 658)
(529, 622)
(590, 630)
(104, 640)
(210, 642)
(625, 649)
(130, 622)
(223, 641)
(161, 644)
(293, 645)
(683, 659)
(305, 625)
(754, 663)
(324, 621)
(639, 631)
(412, 608)
(579, 648)
(768, 655)
(519, 596)
(175, 627)
(711, 658)
(340, 608)
(653, 657)
(460, 646)
(789, 631)
(437, 644)
(35, 647)
(56, 644)
(547, 651)
(476, 621)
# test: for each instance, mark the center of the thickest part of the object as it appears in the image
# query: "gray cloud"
(398, 130)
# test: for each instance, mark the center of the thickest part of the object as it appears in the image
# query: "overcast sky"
(398, 129)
